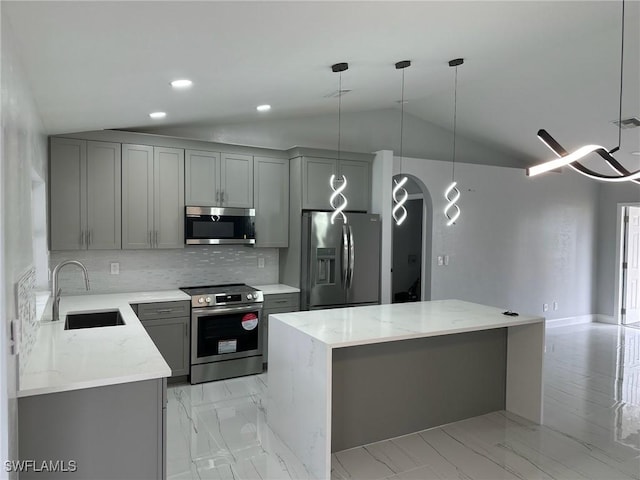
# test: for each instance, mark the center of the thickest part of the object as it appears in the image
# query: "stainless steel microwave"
(219, 226)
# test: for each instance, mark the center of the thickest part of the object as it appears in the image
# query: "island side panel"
(525, 357)
(390, 389)
(299, 405)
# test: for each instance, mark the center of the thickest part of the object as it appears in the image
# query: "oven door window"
(219, 226)
(228, 333)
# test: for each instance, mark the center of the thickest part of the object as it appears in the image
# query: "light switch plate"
(440, 260)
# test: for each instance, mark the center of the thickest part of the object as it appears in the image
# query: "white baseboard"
(605, 319)
(565, 322)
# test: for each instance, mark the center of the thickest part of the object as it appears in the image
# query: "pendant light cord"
(455, 113)
(401, 118)
(339, 111)
(621, 77)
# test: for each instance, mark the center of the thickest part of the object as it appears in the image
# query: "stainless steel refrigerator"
(341, 262)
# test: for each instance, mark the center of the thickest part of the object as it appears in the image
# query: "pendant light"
(336, 185)
(399, 212)
(452, 194)
(571, 159)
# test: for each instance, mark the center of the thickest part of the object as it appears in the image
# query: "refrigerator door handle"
(345, 256)
(352, 249)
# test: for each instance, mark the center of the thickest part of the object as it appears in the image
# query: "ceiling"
(528, 65)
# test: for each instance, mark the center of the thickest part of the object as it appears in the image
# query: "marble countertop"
(343, 327)
(63, 360)
(276, 288)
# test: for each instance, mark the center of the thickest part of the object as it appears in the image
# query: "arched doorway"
(411, 259)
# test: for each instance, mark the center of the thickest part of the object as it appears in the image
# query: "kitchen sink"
(110, 318)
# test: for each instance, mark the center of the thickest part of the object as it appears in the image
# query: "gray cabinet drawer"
(154, 311)
(282, 300)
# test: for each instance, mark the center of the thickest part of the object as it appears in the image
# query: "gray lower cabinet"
(168, 325)
(110, 432)
(276, 303)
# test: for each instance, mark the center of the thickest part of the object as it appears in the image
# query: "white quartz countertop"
(276, 288)
(343, 327)
(63, 360)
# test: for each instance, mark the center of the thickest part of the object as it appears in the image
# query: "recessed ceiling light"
(263, 108)
(157, 115)
(184, 83)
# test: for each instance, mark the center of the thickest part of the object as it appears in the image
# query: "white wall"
(610, 196)
(519, 243)
(360, 132)
(23, 149)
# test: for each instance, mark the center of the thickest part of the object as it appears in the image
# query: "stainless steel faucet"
(56, 290)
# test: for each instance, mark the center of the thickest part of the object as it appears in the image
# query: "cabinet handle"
(82, 238)
(156, 238)
(186, 333)
(217, 196)
(222, 197)
(150, 242)
(164, 310)
(281, 301)
(89, 237)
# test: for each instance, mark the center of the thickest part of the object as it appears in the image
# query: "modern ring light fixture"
(336, 186)
(571, 159)
(452, 194)
(399, 212)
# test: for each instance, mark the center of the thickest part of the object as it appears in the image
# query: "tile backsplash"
(143, 270)
(25, 297)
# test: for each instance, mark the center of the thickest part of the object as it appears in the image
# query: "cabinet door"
(171, 337)
(202, 178)
(358, 191)
(315, 182)
(68, 191)
(168, 197)
(104, 196)
(271, 197)
(137, 196)
(236, 186)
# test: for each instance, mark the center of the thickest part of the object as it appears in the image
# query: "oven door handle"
(201, 312)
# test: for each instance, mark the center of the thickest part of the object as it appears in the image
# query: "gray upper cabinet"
(316, 173)
(316, 191)
(202, 178)
(236, 181)
(358, 191)
(271, 198)
(218, 180)
(152, 197)
(85, 197)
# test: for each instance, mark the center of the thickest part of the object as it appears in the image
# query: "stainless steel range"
(226, 331)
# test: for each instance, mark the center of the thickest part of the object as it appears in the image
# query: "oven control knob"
(249, 296)
(208, 299)
(201, 300)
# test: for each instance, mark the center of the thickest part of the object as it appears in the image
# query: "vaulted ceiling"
(528, 65)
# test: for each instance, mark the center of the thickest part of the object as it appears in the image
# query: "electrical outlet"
(114, 268)
(446, 259)
(440, 260)
(260, 262)
(545, 307)
(555, 305)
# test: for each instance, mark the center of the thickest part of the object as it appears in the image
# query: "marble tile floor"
(218, 430)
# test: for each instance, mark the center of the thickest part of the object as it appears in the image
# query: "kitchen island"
(345, 377)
